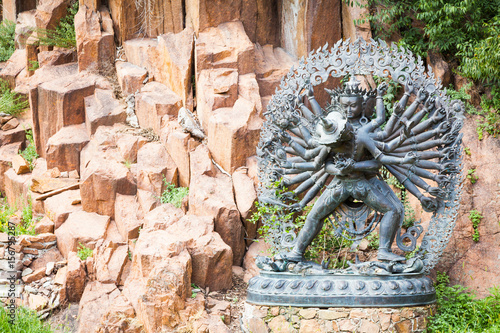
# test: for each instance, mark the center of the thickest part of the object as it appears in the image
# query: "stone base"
(258, 318)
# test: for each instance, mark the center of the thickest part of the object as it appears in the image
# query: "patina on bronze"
(331, 157)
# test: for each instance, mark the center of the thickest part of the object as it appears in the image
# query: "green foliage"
(34, 65)
(467, 151)
(373, 240)
(26, 321)
(10, 102)
(471, 175)
(5, 213)
(7, 44)
(459, 311)
(27, 225)
(490, 114)
(83, 252)
(390, 94)
(475, 218)
(64, 34)
(173, 195)
(29, 153)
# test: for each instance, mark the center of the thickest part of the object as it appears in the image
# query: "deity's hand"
(436, 191)
(382, 88)
(438, 115)
(442, 180)
(345, 166)
(447, 153)
(422, 95)
(428, 204)
(448, 168)
(448, 139)
(285, 164)
(310, 91)
(444, 127)
(409, 87)
(296, 207)
(397, 109)
(284, 136)
(430, 102)
(409, 158)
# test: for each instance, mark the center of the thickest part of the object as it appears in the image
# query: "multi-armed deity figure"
(331, 157)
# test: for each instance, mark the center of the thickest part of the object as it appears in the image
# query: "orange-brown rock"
(271, 64)
(178, 148)
(216, 88)
(20, 165)
(202, 14)
(103, 109)
(50, 12)
(45, 74)
(94, 39)
(60, 103)
(211, 257)
(155, 101)
(75, 278)
(214, 196)
(160, 279)
(7, 152)
(201, 162)
(81, 227)
(125, 19)
(45, 225)
(153, 166)
(14, 66)
(56, 57)
(303, 25)
(16, 187)
(225, 46)
(128, 145)
(246, 197)
(97, 298)
(14, 135)
(259, 19)
(119, 317)
(440, 67)
(162, 217)
(130, 77)
(147, 201)
(109, 261)
(259, 248)
(355, 22)
(141, 52)
(233, 134)
(248, 88)
(127, 216)
(174, 63)
(11, 8)
(58, 207)
(64, 147)
(43, 184)
(103, 173)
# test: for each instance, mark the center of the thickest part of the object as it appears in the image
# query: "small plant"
(11, 102)
(490, 122)
(30, 154)
(26, 321)
(7, 44)
(64, 34)
(173, 195)
(471, 175)
(373, 240)
(467, 151)
(458, 310)
(129, 253)
(475, 217)
(5, 213)
(34, 65)
(27, 225)
(83, 252)
(127, 164)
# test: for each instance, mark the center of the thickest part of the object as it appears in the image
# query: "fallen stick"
(59, 190)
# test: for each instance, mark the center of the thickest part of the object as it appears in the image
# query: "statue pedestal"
(284, 319)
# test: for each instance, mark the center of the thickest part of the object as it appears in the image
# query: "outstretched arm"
(369, 144)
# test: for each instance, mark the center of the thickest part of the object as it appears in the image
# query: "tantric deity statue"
(334, 160)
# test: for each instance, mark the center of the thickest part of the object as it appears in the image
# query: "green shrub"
(27, 225)
(490, 114)
(5, 213)
(173, 195)
(10, 102)
(7, 44)
(471, 175)
(475, 217)
(29, 153)
(64, 34)
(462, 95)
(84, 252)
(459, 311)
(26, 321)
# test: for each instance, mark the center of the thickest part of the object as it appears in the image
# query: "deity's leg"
(324, 206)
(384, 200)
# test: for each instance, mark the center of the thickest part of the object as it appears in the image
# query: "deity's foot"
(293, 256)
(387, 255)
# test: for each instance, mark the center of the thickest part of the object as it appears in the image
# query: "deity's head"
(353, 101)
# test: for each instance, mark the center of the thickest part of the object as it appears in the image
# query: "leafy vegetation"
(29, 153)
(173, 195)
(64, 34)
(490, 121)
(475, 218)
(10, 102)
(27, 225)
(458, 310)
(7, 44)
(83, 252)
(471, 175)
(26, 321)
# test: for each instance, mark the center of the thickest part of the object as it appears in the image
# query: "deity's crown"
(350, 89)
